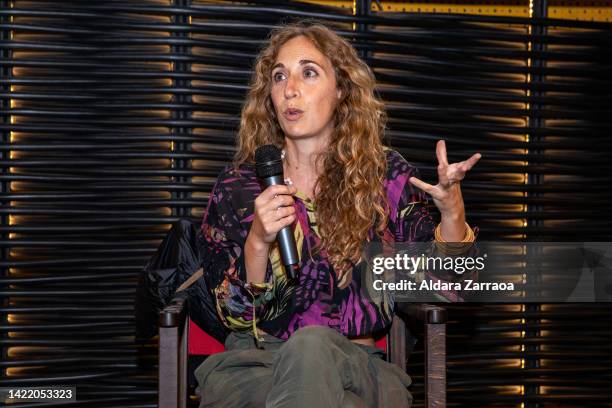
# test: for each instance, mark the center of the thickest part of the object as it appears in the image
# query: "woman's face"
(304, 90)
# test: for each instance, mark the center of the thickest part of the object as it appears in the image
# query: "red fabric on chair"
(200, 343)
(382, 343)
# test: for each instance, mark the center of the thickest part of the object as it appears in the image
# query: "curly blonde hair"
(351, 198)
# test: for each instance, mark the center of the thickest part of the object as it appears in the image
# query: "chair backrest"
(201, 343)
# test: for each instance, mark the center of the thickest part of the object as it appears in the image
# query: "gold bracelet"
(455, 248)
(468, 237)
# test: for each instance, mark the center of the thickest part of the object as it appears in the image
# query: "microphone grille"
(268, 161)
(267, 153)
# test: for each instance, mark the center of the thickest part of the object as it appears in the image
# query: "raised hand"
(447, 193)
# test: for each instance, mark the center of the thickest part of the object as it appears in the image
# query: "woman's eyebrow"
(302, 62)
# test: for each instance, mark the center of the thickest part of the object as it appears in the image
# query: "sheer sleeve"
(225, 228)
(415, 224)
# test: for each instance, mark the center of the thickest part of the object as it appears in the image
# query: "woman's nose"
(291, 88)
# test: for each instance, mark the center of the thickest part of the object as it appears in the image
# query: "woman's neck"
(302, 153)
(300, 164)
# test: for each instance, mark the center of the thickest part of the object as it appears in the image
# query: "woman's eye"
(314, 73)
(308, 73)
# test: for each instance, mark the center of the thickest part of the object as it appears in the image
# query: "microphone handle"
(286, 241)
(288, 250)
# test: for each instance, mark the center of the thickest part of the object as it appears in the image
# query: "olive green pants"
(316, 367)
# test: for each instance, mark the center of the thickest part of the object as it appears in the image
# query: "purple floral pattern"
(278, 308)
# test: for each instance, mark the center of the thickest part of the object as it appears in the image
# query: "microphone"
(269, 167)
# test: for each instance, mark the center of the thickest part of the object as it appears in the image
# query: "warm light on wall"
(11, 318)
(527, 107)
(354, 6)
(586, 10)
(11, 220)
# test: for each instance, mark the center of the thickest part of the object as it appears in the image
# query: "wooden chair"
(175, 343)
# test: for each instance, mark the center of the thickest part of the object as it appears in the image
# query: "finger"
(426, 187)
(282, 201)
(469, 163)
(441, 152)
(454, 173)
(280, 198)
(443, 173)
(457, 171)
(281, 212)
(270, 219)
(278, 189)
(283, 222)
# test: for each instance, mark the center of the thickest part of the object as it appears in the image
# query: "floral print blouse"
(280, 309)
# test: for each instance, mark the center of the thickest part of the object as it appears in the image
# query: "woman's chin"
(292, 134)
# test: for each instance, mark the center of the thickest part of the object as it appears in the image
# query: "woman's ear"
(339, 93)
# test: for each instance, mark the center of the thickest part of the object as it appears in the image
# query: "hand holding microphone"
(274, 213)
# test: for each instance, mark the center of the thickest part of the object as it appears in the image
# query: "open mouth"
(293, 114)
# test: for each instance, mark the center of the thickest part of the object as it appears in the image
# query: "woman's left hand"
(447, 193)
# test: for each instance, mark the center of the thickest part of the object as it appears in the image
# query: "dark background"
(116, 117)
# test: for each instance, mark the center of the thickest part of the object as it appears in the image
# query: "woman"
(312, 344)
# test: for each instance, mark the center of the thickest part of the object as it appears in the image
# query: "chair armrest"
(173, 334)
(425, 312)
(174, 314)
(434, 318)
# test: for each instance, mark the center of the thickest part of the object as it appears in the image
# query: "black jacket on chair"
(179, 256)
